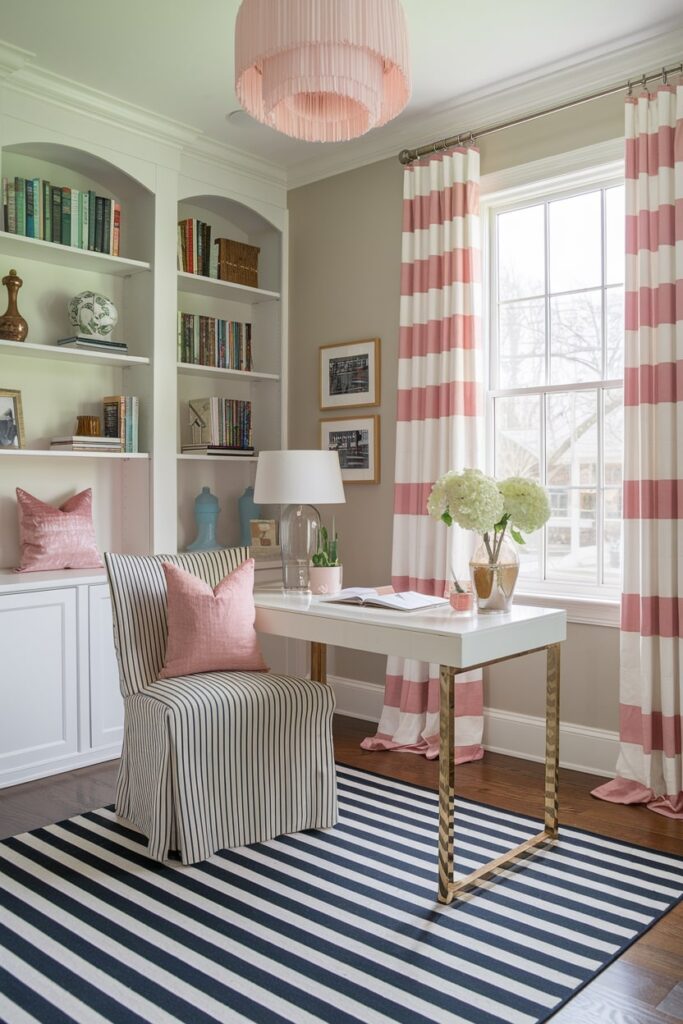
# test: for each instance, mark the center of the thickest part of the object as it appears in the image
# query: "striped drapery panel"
(649, 769)
(438, 428)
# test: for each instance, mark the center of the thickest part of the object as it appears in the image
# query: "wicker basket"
(237, 262)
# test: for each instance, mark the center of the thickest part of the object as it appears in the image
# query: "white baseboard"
(582, 748)
(27, 773)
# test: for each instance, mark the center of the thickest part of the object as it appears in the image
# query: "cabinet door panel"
(106, 703)
(38, 678)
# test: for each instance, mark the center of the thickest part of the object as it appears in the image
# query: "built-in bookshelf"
(142, 501)
(226, 474)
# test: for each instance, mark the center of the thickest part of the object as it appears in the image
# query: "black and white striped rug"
(339, 926)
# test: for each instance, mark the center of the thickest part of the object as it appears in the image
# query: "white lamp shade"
(297, 477)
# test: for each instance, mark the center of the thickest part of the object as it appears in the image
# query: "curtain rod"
(406, 156)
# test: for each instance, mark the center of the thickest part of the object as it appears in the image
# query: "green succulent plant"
(327, 554)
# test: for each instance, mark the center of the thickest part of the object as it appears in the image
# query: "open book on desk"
(407, 601)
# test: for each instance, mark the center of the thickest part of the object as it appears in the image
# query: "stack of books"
(82, 443)
(88, 343)
(196, 255)
(55, 213)
(226, 425)
(205, 341)
(121, 415)
(216, 449)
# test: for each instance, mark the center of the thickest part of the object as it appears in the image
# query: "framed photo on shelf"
(350, 374)
(263, 534)
(356, 440)
(11, 420)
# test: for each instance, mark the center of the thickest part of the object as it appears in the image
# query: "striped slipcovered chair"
(218, 759)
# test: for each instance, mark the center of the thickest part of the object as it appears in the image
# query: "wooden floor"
(645, 986)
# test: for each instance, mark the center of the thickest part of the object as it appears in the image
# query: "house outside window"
(555, 397)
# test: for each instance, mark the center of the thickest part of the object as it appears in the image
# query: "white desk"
(458, 643)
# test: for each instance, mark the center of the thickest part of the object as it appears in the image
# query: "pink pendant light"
(322, 70)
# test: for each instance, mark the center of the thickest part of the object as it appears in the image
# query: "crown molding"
(12, 58)
(560, 82)
(41, 84)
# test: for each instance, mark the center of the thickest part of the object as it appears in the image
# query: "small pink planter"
(325, 580)
(461, 602)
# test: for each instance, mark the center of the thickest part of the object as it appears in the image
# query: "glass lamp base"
(299, 532)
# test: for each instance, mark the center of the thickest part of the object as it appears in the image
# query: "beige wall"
(345, 248)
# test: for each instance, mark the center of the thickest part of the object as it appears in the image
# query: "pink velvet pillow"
(211, 630)
(57, 538)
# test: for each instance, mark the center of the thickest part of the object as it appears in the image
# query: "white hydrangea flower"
(470, 498)
(525, 502)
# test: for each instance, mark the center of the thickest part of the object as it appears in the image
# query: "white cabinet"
(39, 683)
(60, 705)
(106, 702)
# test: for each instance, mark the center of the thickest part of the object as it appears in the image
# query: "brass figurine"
(13, 327)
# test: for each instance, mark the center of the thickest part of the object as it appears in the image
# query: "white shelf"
(21, 247)
(199, 285)
(193, 457)
(21, 453)
(11, 581)
(194, 370)
(70, 355)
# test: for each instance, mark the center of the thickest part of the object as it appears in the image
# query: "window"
(556, 376)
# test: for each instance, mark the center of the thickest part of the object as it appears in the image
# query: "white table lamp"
(299, 480)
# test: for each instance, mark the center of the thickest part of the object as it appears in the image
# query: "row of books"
(121, 418)
(206, 341)
(55, 213)
(196, 255)
(222, 423)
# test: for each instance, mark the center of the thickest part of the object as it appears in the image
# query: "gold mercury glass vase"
(494, 582)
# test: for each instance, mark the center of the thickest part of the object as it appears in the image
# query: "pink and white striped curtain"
(438, 428)
(650, 768)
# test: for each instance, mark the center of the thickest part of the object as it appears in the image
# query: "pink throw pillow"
(57, 538)
(211, 630)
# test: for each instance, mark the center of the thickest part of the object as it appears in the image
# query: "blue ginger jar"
(206, 511)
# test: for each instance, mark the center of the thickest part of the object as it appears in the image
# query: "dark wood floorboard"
(642, 987)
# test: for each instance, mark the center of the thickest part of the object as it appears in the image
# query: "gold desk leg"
(552, 739)
(318, 662)
(446, 782)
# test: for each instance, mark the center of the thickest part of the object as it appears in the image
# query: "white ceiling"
(176, 58)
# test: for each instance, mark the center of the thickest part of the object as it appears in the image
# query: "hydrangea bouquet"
(477, 502)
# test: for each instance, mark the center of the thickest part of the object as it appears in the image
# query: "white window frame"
(585, 170)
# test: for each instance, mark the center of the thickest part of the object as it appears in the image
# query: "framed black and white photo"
(356, 441)
(350, 374)
(11, 420)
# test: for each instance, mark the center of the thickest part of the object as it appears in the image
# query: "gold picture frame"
(11, 420)
(356, 440)
(349, 375)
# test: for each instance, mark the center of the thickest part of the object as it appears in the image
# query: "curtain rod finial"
(405, 156)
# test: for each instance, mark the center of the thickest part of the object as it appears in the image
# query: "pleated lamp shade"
(322, 70)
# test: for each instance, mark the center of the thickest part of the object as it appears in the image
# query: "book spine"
(110, 417)
(92, 212)
(249, 363)
(85, 225)
(20, 193)
(56, 203)
(66, 216)
(47, 211)
(5, 204)
(38, 208)
(135, 446)
(199, 234)
(195, 262)
(195, 341)
(76, 207)
(188, 246)
(11, 208)
(99, 223)
(213, 261)
(106, 226)
(116, 232)
(28, 191)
